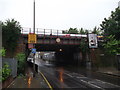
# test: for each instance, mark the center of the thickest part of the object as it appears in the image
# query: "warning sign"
(92, 40)
(32, 38)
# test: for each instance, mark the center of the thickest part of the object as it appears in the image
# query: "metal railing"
(53, 32)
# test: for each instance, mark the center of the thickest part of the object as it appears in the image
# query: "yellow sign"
(32, 38)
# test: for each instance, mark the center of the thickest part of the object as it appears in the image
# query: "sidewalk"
(28, 81)
(109, 71)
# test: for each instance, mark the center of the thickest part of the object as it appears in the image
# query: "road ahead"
(59, 77)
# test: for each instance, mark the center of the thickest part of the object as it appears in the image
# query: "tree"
(111, 26)
(97, 31)
(65, 32)
(10, 32)
(73, 31)
(84, 45)
(112, 45)
(81, 31)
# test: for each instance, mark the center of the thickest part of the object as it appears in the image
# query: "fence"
(12, 65)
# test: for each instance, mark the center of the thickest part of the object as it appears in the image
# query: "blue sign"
(34, 50)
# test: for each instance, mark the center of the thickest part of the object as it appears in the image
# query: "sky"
(58, 14)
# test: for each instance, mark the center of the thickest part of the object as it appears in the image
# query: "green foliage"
(111, 26)
(82, 31)
(97, 31)
(84, 46)
(21, 62)
(2, 52)
(112, 45)
(71, 31)
(10, 32)
(5, 71)
(65, 32)
(75, 31)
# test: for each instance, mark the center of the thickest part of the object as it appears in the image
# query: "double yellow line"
(46, 81)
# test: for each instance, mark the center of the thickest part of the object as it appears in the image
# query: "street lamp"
(34, 33)
(34, 17)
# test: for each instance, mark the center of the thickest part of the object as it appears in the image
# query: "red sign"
(30, 45)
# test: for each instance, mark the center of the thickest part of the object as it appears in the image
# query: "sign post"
(92, 38)
(93, 43)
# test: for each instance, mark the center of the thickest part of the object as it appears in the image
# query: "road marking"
(46, 81)
(107, 83)
(92, 84)
(108, 74)
(68, 75)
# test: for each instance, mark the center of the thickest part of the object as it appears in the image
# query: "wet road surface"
(60, 77)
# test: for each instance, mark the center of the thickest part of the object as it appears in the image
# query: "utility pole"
(34, 33)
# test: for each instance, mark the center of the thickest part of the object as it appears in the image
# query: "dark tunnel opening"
(64, 54)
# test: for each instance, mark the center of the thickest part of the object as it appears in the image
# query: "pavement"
(109, 71)
(29, 81)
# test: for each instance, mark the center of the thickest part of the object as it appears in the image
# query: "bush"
(5, 71)
(2, 52)
(21, 62)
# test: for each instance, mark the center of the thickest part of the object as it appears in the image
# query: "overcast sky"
(58, 14)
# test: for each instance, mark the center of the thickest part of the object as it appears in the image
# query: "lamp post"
(34, 17)
(34, 33)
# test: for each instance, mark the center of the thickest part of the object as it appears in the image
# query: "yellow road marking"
(46, 81)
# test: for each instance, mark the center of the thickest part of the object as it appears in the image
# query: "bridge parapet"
(51, 32)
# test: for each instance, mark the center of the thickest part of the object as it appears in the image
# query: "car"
(29, 59)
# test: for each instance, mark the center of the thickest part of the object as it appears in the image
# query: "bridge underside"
(55, 47)
(66, 51)
(64, 54)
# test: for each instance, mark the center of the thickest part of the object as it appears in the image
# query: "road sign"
(34, 50)
(58, 40)
(92, 38)
(32, 38)
(30, 45)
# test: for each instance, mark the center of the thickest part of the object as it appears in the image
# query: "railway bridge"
(66, 46)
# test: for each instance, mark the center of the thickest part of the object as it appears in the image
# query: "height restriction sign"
(32, 38)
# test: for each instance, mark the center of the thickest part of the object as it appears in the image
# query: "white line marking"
(107, 83)
(92, 84)
(68, 75)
